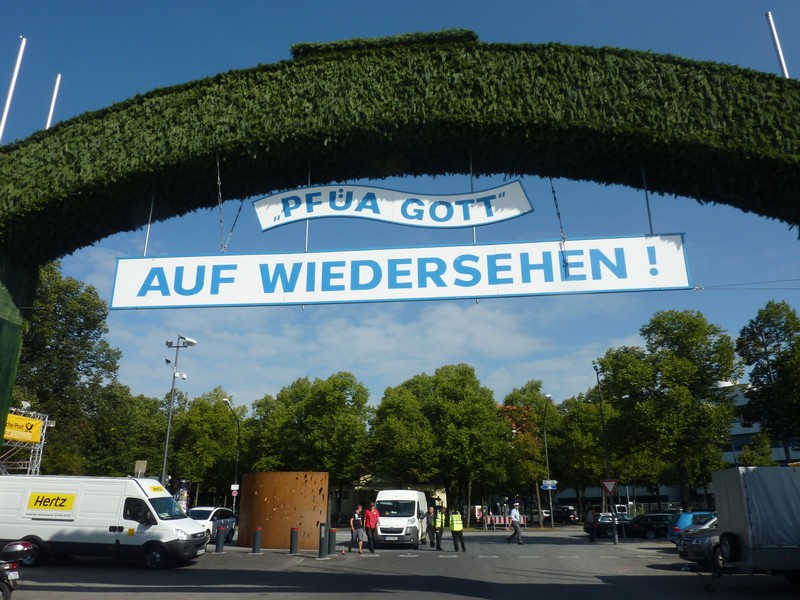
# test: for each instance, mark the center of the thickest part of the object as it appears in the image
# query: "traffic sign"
(235, 493)
(549, 482)
(609, 485)
(234, 486)
(548, 487)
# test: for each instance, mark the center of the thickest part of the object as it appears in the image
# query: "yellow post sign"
(23, 429)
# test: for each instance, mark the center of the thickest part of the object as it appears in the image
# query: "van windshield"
(167, 509)
(396, 508)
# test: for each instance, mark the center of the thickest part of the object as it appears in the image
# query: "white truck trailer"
(758, 511)
(117, 517)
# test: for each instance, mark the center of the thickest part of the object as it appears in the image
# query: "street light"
(238, 443)
(605, 446)
(183, 342)
(547, 398)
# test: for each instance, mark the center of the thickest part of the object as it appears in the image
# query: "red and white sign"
(609, 485)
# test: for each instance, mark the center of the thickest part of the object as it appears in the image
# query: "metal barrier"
(492, 521)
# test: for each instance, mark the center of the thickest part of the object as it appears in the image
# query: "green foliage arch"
(416, 104)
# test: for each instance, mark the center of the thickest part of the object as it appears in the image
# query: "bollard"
(220, 547)
(332, 541)
(257, 540)
(323, 540)
(293, 540)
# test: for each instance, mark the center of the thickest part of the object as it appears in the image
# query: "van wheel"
(729, 544)
(155, 557)
(415, 542)
(34, 556)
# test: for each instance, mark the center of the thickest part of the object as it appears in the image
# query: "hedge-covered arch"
(409, 105)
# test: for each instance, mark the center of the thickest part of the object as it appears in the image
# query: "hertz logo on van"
(43, 501)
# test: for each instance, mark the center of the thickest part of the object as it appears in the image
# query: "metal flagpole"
(777, 43)
(53, 101)
(22, 42)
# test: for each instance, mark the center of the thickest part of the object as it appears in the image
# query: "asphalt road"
(557, 563)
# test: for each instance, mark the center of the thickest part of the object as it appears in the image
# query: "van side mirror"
(421, 514)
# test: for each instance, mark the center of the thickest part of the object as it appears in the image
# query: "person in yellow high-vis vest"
(440, 523)
(457, 529)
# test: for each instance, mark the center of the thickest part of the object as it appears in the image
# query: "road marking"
(448, 556)
(409, 555)
(488, 556)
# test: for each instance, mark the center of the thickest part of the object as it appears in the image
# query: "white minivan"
(116, 517)
(402, 516)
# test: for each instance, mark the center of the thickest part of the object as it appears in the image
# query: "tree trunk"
(683, 482)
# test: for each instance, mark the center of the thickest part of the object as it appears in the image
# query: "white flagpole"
(53, 101)
(22, 42)
(777, 43)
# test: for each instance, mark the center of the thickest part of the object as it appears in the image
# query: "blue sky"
(109, 51)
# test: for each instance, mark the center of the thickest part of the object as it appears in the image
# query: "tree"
(402, 443)
(64, 364)
(770, 344)
(758, 453)
(668, 392)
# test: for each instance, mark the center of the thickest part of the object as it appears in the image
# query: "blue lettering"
(448, 211)
(495, 268)
(465, 204)
(217, 279)
(546, 266)
(156, 281)
(348, 200)
(369, 202)
(289, 204)
(395, 272)
(311, 203)
(618, 268)
(418, 211)
(198, 281)
(487, 204)
(461, 268)
(430, 268)
(311, 276)
(328, 275)
(288, 282)
(355, 275)
(569, 265)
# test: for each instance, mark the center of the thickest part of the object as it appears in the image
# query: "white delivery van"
(97, 516)
(402, 516)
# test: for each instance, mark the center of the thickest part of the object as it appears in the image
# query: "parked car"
(701, 547)
(651, 525)
(535, 515)
(707, 523)
(680, 521)
(212, 518)
(605, 525)
(566, 514)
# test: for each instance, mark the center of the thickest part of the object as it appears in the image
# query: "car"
(651, 525)
(604, 525)
(535, 515)
(702, 547)
(212, 518)
(566, 514)
(681, 521)
(708, 522)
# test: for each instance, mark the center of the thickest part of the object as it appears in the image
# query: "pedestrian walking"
(457, 529)
(372, 519)
(430, 525)
(517, 533)
(591, 525)
(357, 530)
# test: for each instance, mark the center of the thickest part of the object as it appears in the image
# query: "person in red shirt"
(372, 519)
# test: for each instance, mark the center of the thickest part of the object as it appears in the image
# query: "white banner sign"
(478, 271)
(462, 210)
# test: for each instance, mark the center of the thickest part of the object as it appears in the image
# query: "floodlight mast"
(187, 343)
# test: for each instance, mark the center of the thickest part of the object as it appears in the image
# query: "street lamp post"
(238, 444)
(547, 463)
(183, 342)
(605, 447)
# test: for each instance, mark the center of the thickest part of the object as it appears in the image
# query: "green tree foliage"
(64, 364)
(770, 344)
(402, 442)
(579, 449)
(318, 425)
(758, 453)
(666, 394)
(123, 429)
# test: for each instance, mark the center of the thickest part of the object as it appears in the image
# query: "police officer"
(457, 529)
(440, 522)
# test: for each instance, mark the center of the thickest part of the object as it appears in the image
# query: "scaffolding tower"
(23, 458)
